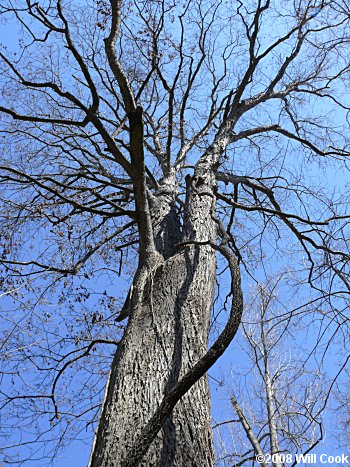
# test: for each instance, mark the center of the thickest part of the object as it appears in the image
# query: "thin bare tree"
(280, 392)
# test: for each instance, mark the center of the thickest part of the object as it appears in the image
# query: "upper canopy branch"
(79, 59)
(114, 63)
(237, 105)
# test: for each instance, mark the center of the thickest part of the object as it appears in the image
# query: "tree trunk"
(166, 335)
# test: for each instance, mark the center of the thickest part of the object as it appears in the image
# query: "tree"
(174, 133)
(282, 414)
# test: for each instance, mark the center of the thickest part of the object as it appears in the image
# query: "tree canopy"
(113, 114)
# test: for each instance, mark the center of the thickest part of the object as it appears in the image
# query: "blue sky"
(77, 453)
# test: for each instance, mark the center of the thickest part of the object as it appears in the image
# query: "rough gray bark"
(166, 335)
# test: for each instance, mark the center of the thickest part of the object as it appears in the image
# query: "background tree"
(278, 392)
(161, 135)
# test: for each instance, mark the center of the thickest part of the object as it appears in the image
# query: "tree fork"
(166, 335)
